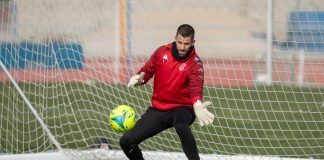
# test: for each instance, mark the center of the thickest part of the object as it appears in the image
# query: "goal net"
(65, 65)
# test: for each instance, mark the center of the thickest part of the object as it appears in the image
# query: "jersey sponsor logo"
(183, 65)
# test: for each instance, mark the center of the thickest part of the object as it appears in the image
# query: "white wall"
(224, 27)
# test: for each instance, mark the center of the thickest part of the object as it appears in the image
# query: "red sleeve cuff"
(195, 99)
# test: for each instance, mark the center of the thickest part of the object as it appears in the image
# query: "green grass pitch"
(276, 120)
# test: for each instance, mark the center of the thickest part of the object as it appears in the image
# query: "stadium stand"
(306, 31)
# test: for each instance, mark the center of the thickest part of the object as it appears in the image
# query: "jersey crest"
(183, 65)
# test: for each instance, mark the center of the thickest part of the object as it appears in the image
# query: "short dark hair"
(186, 30)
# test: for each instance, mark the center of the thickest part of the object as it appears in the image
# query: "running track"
(218, 72)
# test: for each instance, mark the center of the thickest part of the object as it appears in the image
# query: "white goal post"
(64, 65)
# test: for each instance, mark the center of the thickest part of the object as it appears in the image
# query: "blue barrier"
(34, 55)
(8, 55)
(31, 55)
(69, 56)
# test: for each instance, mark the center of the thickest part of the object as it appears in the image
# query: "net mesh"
(73, 58)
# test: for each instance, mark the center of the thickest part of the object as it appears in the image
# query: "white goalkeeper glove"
(203, 115)
(136, 80)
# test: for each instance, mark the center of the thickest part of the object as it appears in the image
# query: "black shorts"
(154, 121)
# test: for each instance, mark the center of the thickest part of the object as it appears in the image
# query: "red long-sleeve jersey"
(176, 82)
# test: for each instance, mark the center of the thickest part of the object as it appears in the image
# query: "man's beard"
(175, 52)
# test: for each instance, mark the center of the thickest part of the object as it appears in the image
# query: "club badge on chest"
(181, 68)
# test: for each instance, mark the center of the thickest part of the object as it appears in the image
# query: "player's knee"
(125, 141)
(182, 129)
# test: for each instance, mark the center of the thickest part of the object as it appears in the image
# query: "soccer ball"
(122, 118)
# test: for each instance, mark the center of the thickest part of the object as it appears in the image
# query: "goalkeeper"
(177, 95)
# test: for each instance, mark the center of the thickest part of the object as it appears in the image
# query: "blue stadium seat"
(306, 30)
